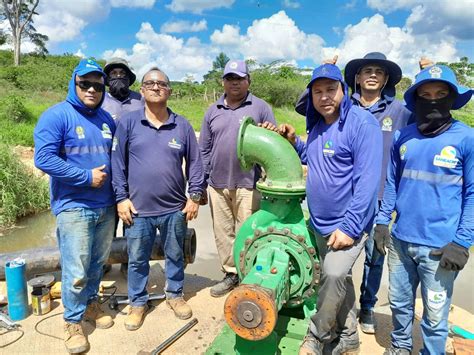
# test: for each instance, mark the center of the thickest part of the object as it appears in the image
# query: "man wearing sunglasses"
(73, 140)
(149, 149)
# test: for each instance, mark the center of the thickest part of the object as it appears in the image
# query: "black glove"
(381, 238)
(453, 256)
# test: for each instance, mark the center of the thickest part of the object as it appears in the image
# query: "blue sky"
(183, 37)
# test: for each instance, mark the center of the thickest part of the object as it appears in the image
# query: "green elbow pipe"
(256, 145)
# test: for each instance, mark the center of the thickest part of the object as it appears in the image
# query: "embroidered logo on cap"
(435, 72)
(447, 158)
(233, 65)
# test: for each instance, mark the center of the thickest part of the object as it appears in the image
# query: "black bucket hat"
(119, 63)
(393, 70)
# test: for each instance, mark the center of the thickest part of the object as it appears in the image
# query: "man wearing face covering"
(430, 185)
(120, 99)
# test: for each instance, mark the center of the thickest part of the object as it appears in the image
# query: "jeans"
(373, 269)
(140, 238)
(410, 265)
(336, 309)
(84, 239)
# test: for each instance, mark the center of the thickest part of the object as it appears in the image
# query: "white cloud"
(175, 56)
(80, 54)
(275, 38)
(147, 4)
(198, 6)
(393, 5)
(229, 36)
(183, 26)
(398, 44)
(291, 4)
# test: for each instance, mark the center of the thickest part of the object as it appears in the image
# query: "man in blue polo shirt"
(73, 140)
(150, 187)
(344, 160)
(233, 197)
(430, 185)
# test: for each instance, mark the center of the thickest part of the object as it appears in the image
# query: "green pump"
(275, 255)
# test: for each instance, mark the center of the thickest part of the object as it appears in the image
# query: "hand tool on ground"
(6, 322)
(160, 348)
(114, 302)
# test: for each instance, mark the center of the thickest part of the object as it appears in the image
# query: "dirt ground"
(43, 334)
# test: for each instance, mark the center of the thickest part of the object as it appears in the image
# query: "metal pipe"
(41, 260)
(160, 348)
(275, 154)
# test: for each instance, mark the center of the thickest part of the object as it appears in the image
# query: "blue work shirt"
(392, 116)
(344, 161)
(430, 184)
(218, 142)
(117, 108)
(147, 163)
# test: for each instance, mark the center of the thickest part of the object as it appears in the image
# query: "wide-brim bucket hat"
(438, 73)
(353, 67)
(119, 63)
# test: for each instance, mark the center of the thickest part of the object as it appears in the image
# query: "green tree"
(19, 14)
(220, 61)
(464, 71)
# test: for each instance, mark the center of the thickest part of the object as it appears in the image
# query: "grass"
(21, 193)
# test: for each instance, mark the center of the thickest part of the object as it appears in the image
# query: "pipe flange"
(249, 314)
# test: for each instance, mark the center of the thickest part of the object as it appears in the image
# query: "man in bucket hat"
(430, 185)
(120, 98)
(344, 161)
(372, 80)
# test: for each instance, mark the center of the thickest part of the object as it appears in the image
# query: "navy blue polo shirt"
(147, 163)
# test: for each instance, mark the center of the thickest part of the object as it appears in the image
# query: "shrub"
(21, 192)
(13, 109)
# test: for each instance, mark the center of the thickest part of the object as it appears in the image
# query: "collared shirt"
(147, 163)
(218, 142)
(392, 115)
(117, 108)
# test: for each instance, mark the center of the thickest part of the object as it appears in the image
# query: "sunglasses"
(86, 85)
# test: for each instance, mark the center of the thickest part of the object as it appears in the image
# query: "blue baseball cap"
(438, 73)
(87, 66)
(328, 71)
(238, 67)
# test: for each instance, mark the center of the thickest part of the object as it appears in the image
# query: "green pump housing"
(275, 255)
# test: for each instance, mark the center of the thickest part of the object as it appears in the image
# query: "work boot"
(74, 338)
(347, 346)
(97, 317)
(396, 351)
(311, 345)
(135, 317)
(367, 321)
(229, 282)
(180, 308)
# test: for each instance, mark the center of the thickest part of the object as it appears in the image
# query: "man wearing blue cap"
(73, 141)
(344, 160)
(232, 193)
(430, 185)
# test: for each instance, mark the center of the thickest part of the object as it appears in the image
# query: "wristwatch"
(195, 196)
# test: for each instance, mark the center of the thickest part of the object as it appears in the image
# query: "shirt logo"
(80, 132)
(447, 158)
(387, 124)
(114, 143)
(327, 150)
(435, 72)
(403, 150)
(106, 132)
(174, 144)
